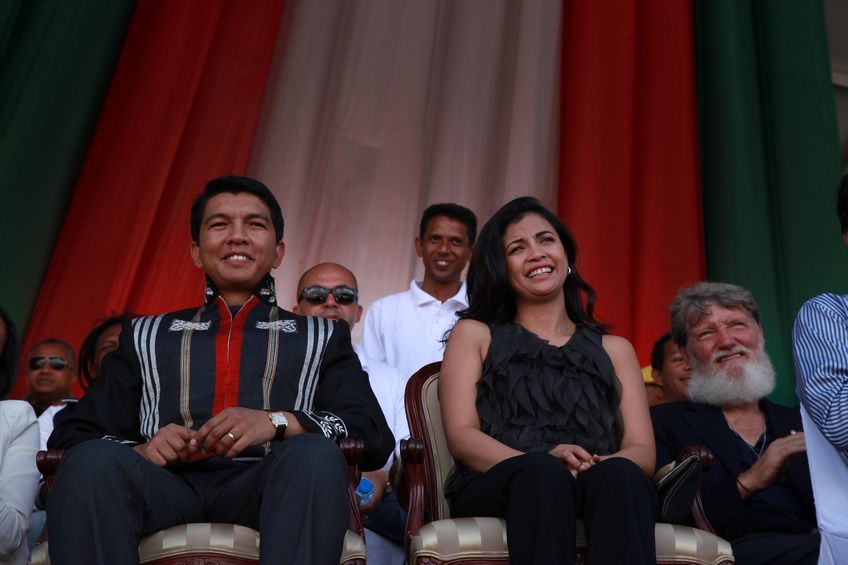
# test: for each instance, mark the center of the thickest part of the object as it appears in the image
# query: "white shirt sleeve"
(18, 474)
(373, 346)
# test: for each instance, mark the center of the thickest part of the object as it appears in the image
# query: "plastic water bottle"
(365, 491)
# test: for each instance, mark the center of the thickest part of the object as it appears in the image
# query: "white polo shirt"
(405, 330)
(389, 388)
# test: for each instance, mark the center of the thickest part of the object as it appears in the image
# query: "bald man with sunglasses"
(329, 290)
(50, 374)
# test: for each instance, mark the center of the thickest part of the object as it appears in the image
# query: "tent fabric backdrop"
(182, 108)
(377, 109)
(374, 109)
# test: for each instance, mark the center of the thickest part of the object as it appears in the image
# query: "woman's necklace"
(761, 440)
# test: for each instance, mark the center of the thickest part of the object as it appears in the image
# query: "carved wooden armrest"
(410, 490)
(679, 487)
(47, 462)
(353, 449)
(699, 516)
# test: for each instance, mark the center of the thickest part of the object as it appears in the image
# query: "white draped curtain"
(378, 108)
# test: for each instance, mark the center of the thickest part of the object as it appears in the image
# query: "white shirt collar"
(420, 297)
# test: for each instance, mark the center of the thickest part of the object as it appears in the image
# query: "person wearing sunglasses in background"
(50, 374)
(330, 290)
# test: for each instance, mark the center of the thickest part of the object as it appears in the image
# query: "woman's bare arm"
(461, 369)
(637, 443)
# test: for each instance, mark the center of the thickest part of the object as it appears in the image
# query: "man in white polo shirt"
(405, 330)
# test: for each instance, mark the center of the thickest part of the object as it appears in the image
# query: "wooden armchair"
(221, 544)
(433, 538)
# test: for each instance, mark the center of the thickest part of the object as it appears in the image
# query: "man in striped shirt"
(820, 346)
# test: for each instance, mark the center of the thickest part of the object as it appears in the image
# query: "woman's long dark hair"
(8, 356)
(491, 299)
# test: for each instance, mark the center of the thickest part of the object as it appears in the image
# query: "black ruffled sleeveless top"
(533, 396)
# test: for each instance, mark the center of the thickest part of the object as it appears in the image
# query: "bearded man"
(757, 493)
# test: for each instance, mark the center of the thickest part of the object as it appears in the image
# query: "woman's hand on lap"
(575, 457)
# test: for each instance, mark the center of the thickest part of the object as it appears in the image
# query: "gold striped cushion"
(461, 537)
(486, 537)
(219, 539)
(682, 544)
(216, 539)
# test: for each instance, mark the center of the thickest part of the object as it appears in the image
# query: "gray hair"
(690, 305)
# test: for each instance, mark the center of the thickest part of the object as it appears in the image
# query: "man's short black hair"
(658, 352)
(235, 185)
(842, 203)
(454, 212)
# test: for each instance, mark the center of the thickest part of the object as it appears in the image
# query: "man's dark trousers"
(296, 497)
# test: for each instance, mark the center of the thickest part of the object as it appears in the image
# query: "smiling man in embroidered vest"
(757, 493)
(224, 413)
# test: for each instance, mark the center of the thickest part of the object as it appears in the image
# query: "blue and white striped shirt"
(820, 347)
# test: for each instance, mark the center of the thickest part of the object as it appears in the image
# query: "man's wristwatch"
(280, 422)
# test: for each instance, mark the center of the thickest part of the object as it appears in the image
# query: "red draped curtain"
(629, 186)
(182, 108)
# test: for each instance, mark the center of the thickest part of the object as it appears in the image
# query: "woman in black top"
(545, 414)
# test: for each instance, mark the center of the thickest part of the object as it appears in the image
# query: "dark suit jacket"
(681, 424)
(184, 367)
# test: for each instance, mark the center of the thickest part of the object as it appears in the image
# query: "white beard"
(716, 387)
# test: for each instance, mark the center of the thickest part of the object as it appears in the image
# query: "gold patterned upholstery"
(485, 538)
(682, 544)
(218, 540)
(461, 538)
(442, 460)
(226, 539)
(482, 539)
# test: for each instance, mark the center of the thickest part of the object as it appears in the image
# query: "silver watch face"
(278, 419)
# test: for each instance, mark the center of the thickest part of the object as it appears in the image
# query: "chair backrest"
(425, 422)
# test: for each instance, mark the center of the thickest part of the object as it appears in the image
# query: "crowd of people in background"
(548, 416)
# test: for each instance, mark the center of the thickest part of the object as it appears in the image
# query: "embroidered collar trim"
(264, 291)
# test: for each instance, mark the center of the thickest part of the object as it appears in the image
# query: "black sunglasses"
(57, 363)
(319, 294)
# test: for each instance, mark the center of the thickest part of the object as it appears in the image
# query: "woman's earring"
(569, 271)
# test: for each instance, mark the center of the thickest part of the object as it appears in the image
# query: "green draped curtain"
(769, 159)
(55, 65)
